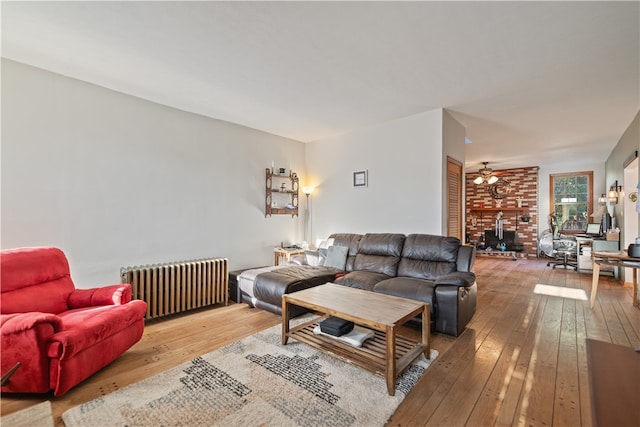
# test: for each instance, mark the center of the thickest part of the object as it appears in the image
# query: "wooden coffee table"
(387, 354)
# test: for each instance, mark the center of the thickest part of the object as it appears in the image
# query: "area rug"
(38, 415)
(253, 382)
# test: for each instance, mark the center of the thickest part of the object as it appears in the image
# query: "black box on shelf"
(336, 326)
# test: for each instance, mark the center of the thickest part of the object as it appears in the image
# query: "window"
(571, 200)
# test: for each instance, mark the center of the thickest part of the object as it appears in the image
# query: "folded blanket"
(356, 337)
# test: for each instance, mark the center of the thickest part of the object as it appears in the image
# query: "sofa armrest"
(466, 258)
(24, 338)
(107, 295)
(19, 323)
(456, 306)
(457, 278)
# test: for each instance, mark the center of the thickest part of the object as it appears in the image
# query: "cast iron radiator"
(175, 287)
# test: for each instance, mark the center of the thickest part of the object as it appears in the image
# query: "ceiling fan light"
(485, 176)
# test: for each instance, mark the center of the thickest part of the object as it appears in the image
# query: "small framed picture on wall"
(360, 179)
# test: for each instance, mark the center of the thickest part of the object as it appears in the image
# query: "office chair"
(562, 249)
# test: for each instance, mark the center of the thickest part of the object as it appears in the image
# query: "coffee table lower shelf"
(371, 356)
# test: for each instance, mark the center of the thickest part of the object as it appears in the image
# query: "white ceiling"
(534, 83)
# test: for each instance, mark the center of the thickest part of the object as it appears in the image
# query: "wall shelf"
(283, 197)
(481, 211)
(496, 210)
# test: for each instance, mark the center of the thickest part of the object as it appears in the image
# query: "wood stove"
(510, 238)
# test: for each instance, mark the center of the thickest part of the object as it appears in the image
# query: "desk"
(598, 245)
(616, 259)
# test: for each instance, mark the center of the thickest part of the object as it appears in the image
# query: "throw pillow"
(337, 257)
(326, 243)
(323, 255)
(298, 260)
(313, 257)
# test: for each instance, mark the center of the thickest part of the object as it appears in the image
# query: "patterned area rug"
(253, 382)
(34, 416)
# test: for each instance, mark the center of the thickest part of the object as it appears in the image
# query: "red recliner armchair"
(60, 335)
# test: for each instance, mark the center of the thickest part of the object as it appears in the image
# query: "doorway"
(454, 198)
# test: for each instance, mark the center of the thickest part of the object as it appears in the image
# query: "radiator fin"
(176, 287)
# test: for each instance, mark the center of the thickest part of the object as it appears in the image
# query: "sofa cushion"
(313, 258)
(336, 257)
(409, 287)
(324, 244)
(351, 241)
(361, 279)
(379, 252)
(246, 279)
(30, 273)
(426, 256)
(270, 286)
(85, 327)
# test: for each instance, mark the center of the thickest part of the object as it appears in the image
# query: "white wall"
(114, 180)
(404, 162)
(629, 222)
(624, 150)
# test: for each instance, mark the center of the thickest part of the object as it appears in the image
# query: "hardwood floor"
(521, 361)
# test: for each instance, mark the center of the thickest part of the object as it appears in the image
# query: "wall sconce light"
(613, 193)
(602, 200)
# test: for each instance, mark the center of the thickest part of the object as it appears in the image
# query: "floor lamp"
(308, 227)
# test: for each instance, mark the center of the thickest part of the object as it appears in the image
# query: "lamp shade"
(307, 190)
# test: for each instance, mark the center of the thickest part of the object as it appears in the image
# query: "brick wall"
(524, 183)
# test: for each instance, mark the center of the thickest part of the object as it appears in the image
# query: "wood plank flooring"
(521, 361)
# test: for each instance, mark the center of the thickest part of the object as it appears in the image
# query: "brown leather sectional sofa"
(434, 269)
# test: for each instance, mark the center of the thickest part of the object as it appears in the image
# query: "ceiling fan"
(486, 176)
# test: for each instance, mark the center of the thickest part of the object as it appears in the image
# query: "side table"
(283, 255)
